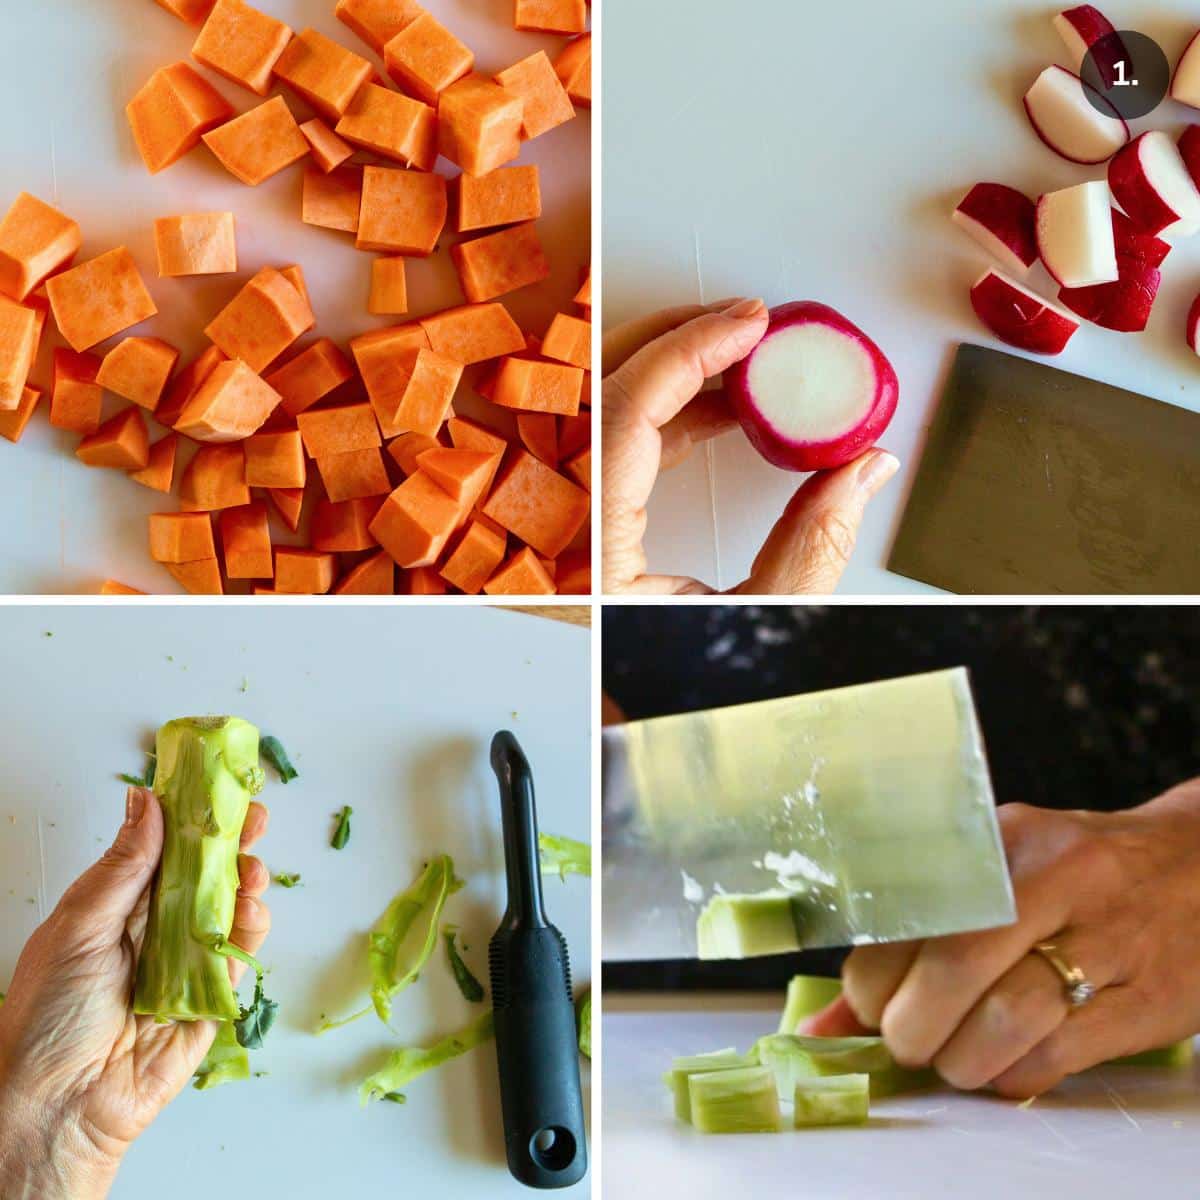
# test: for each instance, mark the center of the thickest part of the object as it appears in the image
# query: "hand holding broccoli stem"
(80, 1076)
(1118, 896)
(654, 413)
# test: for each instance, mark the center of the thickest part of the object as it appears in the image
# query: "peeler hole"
(552, 1148)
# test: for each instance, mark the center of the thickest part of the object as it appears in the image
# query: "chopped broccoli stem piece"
(806, 995)
(405, 1064)
(737, 1101)
(792, 1057)
(563, 856)
(585, 1024)
(341, 833)
(683, 1068)
(751, 926)
(287, 880)
(225, 1062)
(470, 987)
(277, 756)
(832, 1100)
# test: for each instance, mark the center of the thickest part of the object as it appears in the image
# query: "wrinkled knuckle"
(958, 1072)
(832, 537)
(1000, 1015)
(907, 1050)
(1096, 859)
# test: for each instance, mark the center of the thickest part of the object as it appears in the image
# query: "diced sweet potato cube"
(584, 296)
(415, 521)
(579, 467)
(377, 21)
(474, 560)
(259, 143)
(14, 421)
(343, 528)
(242, 44)
(246, 541)
(322, 72)
(407, 447)
(137, 369)
(389, 289)
(534, 386)
(462, 474)
(276, 460)
(261, 321)
(522, 575)
(310, 376)
(498, 263)
(185, 386)
(385, 360)
(99, 298)
(121, 443)
(215, 478)
(75, 397)
(427, 398)
(470, 435)
(354, 474)
(328, 150)
(159, 472)
(550, 16)
(403, 212)
(191, 11)
(181, 537)
(338, 430)
(392, 125)
(424, 581)
(289, 503)
(303, 572)
(425, 58)
(333, 200)
(196, 244)
(173, 110)
(574, 574)
(501, 197)
(35, 241)
(574, 433)
(537, 504)
(295, 276)
(110, 587)
(539, 435)
(19, 335)
(473, 333)
(479, 124)
(231, 404)
(569, 340)
(200, 578)
(374, 576)
(547, 104)
(574, 67)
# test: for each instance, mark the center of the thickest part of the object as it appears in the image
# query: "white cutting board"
(67, 70)
(1112, 1132)
(389, 711)
(815, 151)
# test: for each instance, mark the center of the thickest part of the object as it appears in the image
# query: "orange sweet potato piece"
(407, 447)
(99, 298)
(181, 537)
(569, 340)
(522, 575)
(332, 200)
(574, 573)
(374, 576)
(550, 16)
(137, 369)
(295, 276)
(535, 386)
(501, 197)
(159, 472)
(354, 474)
(462, 474)
(425, 58)
(479, 124)
(574, 433)
(260, 143)
(343, 527)
(121, 442)
(261, 321)
(391, 125)
(242, 44)
(35, 241)
(377, 21)
(426, 399)
(173, 110)
(200, 578)
(328, 150)
(403, 212)
(473, 333)
(339, 430)
(231, 404)
(541, 507)
(498, 263)
(424, 581)
(584, 296)
(275, 460)
(186, 384)
(579, 467)
(322, 72)
(310, 376)
(385, 360)
(303, 572)
(19, 336)
(110, 587)
(473, 561)
(389, 289)
(196, 244)
(75, 397)
(547, 104)
(13, 421)
(289, 503)
(246, 541)
(415, 521)
(215, 478)
(539, 434)
(574, 67)
(191, 11)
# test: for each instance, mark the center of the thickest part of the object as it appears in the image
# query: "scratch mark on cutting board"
(1119, 1105)
(1066, 1141)
(41, 870)
(710, 465)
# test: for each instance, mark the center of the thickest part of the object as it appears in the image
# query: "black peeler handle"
(536, 1042)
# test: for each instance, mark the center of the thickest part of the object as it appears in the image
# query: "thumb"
(97, 905)
(811, 544)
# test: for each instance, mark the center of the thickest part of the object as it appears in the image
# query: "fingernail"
(877, 470)
(743, 310)
(135, 805)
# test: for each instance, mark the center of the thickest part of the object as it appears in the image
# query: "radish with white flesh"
(1185, 87)
(1193, 326)
(1075, 236)
(1004, 222)
(816, 392)
(1021, 317)
(1150, 181)
(1085, 29)
(1060, 110)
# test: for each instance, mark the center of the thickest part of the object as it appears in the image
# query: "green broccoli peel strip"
(563, 856)
(585, 1024)
(405, 1064)
(225, 1062)
(207, 772)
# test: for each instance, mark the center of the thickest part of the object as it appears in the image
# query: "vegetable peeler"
(544, 1136)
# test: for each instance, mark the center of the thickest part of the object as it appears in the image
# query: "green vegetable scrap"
(253, 1023)
(225, 1062)
(737, 1101)
(806, 996)
(831, 1100)
(405, 1064)
(144, 781)
(341, 833)
(287, 880)
(470, 987)
(585, 1024)
(277, 756)
(564, 856)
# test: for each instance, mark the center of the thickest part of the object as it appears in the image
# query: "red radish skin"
(1136, 244)
(785, 370)
(1185, 86)
(1189, 151)
(1193, 326)
(1151, 182)
(1124, 306)
(1021, 317)
(1062, 115)
(1003, 221)
(1085, 29)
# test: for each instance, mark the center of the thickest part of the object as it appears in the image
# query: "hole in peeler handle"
(552, 1148)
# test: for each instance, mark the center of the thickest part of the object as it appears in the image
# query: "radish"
(1193, 326)
(1075, 236)
(1189, 151)
(1085, 29)
(816, 392)
(1003, 221)
(1021, 317)
(1185, 87)
(1060, 108)
(1124, 306)
(1150, 181)
(1136, 244)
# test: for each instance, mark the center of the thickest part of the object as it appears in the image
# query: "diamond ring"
(1079, 989)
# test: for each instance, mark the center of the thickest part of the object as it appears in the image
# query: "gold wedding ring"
(1079, 989)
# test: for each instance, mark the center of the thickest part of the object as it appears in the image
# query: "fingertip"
(253, 875)
(875, 469)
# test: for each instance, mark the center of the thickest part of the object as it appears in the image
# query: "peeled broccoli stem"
(207, 772)
(225, 1062)
(405, 1064)
(741, 1100)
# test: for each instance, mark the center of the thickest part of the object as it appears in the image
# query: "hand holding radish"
(655, 412)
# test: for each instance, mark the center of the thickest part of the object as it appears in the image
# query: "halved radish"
(1124, 306)
(1075, 236)
(1136, 244)
(1021, 317)
(1003, 221)
(1193, 326)
(1189, 151)
(1062, 114)
(1151, 183)
(1086, 29)
(1185, 86)
(816, 392)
